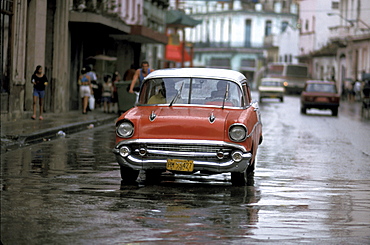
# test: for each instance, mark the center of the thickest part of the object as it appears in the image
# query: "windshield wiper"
(177, 95)
(226, 95)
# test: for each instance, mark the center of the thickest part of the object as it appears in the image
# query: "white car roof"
(198, 72)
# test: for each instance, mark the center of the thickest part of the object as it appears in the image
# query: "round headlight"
(125, 129)
(238, 133)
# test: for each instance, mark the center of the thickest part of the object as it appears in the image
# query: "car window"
(197, 91)
(321, 87)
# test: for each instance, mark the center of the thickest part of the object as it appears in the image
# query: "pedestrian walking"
(39, 82)
(357, 88)
(107, 93)
(139, 76)
(95, 86)
(348, 85)
(116, 78)
(85, 89)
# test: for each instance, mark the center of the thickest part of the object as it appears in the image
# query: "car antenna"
(226, 95)
(177, 95)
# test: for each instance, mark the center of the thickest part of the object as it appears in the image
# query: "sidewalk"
(23, 132)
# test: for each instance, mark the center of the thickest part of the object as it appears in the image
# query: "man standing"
(140, 74)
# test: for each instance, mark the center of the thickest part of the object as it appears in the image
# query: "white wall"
(288, 43)
(315, 34)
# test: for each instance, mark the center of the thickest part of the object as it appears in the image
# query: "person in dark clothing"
(39, 82)
(366, 89)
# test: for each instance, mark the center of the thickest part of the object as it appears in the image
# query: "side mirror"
(255, 105)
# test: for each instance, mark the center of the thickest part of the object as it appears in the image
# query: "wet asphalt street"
(311, 185)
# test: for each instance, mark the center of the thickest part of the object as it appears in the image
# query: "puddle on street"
(305, 188)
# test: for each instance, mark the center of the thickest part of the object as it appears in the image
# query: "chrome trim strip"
(181, 142)
(184, 154)
(254, 127)
(193, 105)
(230, 165)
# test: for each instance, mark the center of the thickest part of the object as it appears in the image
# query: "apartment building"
(240, 35)
(335, 38)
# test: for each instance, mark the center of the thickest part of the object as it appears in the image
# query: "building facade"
(65, 35)
(335, 39)
(239, 35)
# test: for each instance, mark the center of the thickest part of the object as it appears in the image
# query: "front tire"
(239, 179)
(153, 176)
(334, 112)
(303, 110)
(129, 175)
(251, 167)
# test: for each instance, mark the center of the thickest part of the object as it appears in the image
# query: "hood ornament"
(152, 116)
(212, 118)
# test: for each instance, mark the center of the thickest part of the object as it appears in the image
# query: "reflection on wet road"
(311, 184)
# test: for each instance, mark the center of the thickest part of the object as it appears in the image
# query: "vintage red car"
(190, 120)
(320, 95)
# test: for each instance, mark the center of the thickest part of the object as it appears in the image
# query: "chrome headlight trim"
(238, 132)
(125, 129)
(237, 156)
(124, 151)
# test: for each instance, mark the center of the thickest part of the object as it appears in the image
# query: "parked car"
(320, 95)
(190, 120)
(271, 88)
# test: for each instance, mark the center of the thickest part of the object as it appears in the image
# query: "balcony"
(345, 33)
(98, 13)
(226, 45)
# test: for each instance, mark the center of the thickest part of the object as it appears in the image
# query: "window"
(325, 88)
(268, 28)
(335, 5)
(196, 91)
(248, 31)
(220, 62)
(284, 25)
(307, 25)
(248, 63)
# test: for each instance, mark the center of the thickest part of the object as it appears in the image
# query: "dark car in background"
(322, 95)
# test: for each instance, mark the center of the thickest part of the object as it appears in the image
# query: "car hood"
(179, 122)
(271, 89)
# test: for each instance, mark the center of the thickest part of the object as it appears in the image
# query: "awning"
(102, 57)
(178, 18)
(174, 53)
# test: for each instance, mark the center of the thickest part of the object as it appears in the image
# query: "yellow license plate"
(180, 165)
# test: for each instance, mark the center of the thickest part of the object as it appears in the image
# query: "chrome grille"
(200, 152)
(186, 148)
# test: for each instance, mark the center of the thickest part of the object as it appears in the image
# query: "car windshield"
(321, 87)
(271, 83)
(196, 91)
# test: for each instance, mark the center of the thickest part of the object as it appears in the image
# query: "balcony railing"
(102, 7)
(341, 32)
(227, 45)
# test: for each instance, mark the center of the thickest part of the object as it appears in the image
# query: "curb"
(51, 133)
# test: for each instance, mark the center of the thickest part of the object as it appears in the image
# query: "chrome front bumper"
(205, 154)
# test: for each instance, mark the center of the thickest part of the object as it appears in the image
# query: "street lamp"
(350, 21)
